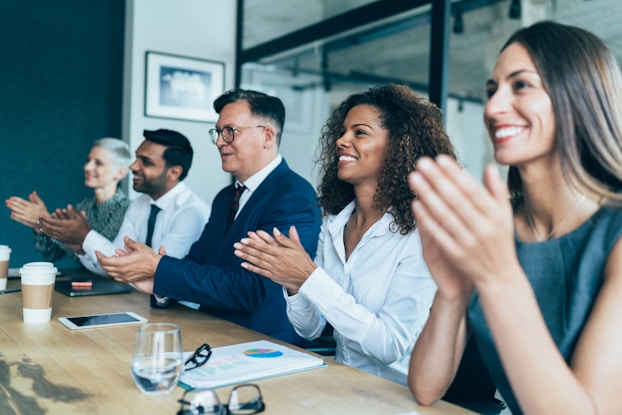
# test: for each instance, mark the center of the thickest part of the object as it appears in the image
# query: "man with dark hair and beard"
(168, 213)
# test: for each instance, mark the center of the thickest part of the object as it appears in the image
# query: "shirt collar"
(337, 222)
(168, 198)
(253, 182)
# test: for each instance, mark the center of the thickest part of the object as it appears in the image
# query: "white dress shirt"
(253, 182)
(178, 225)
(377, 301)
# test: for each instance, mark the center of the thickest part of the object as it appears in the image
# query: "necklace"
(559, 225)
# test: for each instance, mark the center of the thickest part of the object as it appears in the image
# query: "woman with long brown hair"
(534, 272)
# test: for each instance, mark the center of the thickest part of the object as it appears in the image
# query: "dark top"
(105, 219)
(566, 274)
(211, 274)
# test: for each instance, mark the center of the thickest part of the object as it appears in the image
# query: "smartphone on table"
(101, 320)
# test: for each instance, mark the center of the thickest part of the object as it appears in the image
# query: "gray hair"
(118, 148)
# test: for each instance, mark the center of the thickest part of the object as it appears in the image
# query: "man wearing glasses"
(266, 194)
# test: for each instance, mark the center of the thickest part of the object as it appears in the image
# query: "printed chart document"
(248, 361)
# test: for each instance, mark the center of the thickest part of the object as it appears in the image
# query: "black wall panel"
(61, 67)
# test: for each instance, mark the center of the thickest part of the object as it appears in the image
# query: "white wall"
(202, 29)
(465, 127)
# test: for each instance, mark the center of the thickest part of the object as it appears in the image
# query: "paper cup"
(37, 290)
(5, 256)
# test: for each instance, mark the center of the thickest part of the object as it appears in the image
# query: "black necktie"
(235, 203)
(151, 223)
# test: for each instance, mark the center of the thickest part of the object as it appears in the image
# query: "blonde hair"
(119, 150)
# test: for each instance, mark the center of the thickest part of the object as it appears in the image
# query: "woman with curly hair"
(369, 280)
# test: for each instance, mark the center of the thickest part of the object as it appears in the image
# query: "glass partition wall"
(314, 53)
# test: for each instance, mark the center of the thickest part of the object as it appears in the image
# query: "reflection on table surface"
(46, 368)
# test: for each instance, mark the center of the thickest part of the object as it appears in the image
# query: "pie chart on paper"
(262, 353)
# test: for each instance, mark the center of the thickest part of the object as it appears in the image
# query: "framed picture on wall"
(181, 87)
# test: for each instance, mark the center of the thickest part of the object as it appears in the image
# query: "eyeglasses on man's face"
(244, 399)
(228, 133)
(199, 357)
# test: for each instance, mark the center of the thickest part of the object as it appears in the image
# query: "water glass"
(158, 358)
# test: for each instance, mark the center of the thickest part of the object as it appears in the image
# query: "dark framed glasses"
(244, 399)
(199, 357)
(228, 133)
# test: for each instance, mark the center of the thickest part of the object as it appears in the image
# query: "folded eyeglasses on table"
(199, 357)
(244, 399)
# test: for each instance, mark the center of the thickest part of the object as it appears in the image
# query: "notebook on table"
(245, 362)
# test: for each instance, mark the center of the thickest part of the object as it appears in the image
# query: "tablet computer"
(101, 320)
(79, 287)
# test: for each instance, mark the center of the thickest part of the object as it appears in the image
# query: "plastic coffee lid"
(38, 268)
(38, 264)
(5, 248)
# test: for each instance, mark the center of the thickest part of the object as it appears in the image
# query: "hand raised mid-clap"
(470, 223)
(282, 259)
(136, 263)
(27, 212)
(66, 225)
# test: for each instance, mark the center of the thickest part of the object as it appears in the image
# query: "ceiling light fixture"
(458, 23)
(515, 9)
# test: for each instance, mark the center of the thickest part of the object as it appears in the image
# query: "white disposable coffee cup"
(37, 290)
(5, 256)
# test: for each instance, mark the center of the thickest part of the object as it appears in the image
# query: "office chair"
(325, 344)
(473, 387)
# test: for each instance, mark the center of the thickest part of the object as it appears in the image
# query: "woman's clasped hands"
(278, 257)
(466, 227)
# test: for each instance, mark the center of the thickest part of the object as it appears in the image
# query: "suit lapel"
(260, 193)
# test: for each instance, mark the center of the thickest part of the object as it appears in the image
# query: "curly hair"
(414, 128)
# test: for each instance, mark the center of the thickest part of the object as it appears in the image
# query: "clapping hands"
(27, 212)
(66, 225)
(282, 259)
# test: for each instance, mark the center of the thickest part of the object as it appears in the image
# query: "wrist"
(513, 282)
(456, 301)
(307, 270)
(154, 263)
(161, 301)
(82, 236)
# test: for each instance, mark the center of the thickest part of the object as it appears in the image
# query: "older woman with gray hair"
(106, 164)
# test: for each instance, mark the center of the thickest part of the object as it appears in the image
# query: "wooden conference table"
(46, 368)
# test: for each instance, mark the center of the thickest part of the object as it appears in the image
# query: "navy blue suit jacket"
(211, 274)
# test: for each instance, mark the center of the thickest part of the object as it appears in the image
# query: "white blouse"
(377, 301)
